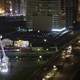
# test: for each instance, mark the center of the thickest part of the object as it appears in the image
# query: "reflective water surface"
(23, 67)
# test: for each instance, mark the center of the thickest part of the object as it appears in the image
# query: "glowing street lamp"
(45, 40)
(38, 31)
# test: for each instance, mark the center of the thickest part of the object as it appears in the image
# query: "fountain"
(4, 61)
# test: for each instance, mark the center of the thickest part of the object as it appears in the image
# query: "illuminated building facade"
(12, 7)
(41, 14)
(71, 12)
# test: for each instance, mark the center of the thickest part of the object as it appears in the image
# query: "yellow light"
(38, 49)
(79, 41)
(22, 43)
(47, 49)
(47, 76)
(2, 11)
(43, 79)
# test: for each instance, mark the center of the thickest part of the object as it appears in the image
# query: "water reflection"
(21, 67)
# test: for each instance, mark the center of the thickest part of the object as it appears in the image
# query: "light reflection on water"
(23, 66)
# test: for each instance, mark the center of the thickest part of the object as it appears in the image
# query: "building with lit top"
(12, 7)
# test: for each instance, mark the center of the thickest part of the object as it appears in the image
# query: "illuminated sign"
(21, 29)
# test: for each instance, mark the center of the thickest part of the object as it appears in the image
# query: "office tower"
(71, 12)
(78, 10)
(44, 14)
(13, 7)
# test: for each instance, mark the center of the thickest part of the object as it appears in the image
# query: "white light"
(2, 11)
(59, 30)
(0, 36)
(30, 30)
(40, 56)
(38, 49)
(38, 60)
(11, 9)
(79, 41)
(21, 43)
(47, 76)
(38, 31)
(45, 40)
(4, 69)
(43, 79)
(17, 49)
(54, 66)
(70, 47)
(65, 32)
(47, 49)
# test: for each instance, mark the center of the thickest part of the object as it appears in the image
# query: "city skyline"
(41, 14)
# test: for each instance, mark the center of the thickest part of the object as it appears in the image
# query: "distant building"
(45, 14)
(71, 12)
(78, 10)
(42, 14)
(13, 7)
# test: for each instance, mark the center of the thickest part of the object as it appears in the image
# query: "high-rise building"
(45, 14)
(13, 7)
(42, 14)
(71, 12)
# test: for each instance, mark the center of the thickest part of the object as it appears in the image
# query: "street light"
(45, 40)
(38, 31)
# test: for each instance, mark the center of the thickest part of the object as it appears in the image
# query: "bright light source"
(40, 56)
(54, 68)
(69, 49)
(43, 79)
(59, 30)
(0, 36)
(17, 49)
(65, 32)
(47, 76)
(11, 9)
(16, 57)
(38, 49)
(30, 30)
(79, 41)
(21, 43)
(4, 66)
(2, 11)
(47, 49)
(4, 69)
(38, 31)
(45, 40)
